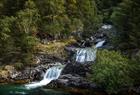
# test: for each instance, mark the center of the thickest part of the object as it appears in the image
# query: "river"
(21, 90)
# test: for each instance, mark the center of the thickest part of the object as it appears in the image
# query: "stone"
(77, 69)
(69, 80)
(4, 74)
(9, 68)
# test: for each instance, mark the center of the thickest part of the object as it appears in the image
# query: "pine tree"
(6, 39)
(11, 7)
(87, 12)
(76, 24)
(71, 8)
(105, 8)
(135, 24)
(126, 18)
(55, 21)
(27, 26)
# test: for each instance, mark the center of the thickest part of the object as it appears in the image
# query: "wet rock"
(136, 90)
(129, 91)
(47, 59)
(44, 41)
(36, 72)
(98, 40)
(77, 69)
(69, 80)
(105, 32)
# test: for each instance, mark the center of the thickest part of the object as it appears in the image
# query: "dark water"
(21, 90)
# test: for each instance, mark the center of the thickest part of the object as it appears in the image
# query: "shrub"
(19, 65)
(135, 68)
(27, 59)
(111, 71)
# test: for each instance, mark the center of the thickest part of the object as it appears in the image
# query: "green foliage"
(21, 20)
(27, 26)
(27, 19)
(134, 70)
(10, 7)
(87, 12)
(71, 8)
(54, 20)
(19, 66)
(27, 59)
(6, 39)
(126, 18)
(57, 26)
(17, 33)
(111, 71)
(106, 8)
(61, 17)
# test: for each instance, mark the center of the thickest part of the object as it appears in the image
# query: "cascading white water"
(51, 74)
(100, 44)
(105, 26)
(87, 54)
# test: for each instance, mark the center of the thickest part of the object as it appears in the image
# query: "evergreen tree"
(105, 8)
(27, 26)
(62, 17)
(17, 34)
(71, 8)
(11, 7)
(54, 18)
(76, 24)
(87, 12)
(6, 39)
(127, 17)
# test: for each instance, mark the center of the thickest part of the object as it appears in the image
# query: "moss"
(55, 48)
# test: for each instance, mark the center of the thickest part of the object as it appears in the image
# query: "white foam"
(51, 74)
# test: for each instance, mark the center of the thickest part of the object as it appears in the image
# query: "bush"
(111, 71)
(27, 59)
(19, 66)
(135, 68)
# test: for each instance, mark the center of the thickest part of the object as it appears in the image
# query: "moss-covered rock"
(55, 48)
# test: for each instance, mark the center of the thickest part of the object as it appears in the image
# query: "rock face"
(10, 74)
(47, 59)
(105, 32)
(68, 80)
(77, 69)
(29, 74)
(74, 75)
(136, 90)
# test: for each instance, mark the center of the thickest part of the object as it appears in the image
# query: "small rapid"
(87, 54)
(51, 74)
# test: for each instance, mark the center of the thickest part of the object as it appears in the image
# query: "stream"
(21, 90)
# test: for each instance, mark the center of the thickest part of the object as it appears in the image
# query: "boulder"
(68, 81)
(77, 69)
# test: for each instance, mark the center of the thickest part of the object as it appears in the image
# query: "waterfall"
(106, 26)
(87, 54)
(100, 44)
(51, 74)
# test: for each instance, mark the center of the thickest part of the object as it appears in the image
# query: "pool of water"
(21, 90)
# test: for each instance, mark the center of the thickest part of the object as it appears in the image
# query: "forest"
(29, 28)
